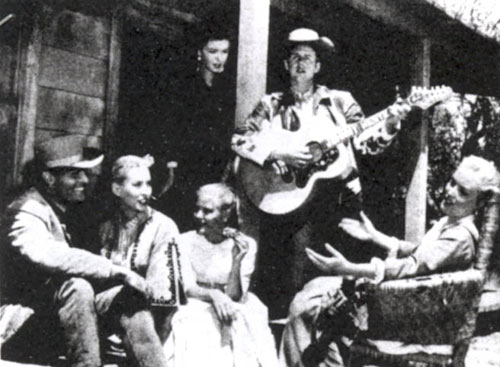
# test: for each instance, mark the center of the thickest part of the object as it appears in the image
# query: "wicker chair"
(439, 309)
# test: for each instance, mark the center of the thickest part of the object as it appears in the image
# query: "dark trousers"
(282, 265)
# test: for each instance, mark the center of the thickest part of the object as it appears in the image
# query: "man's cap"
(68, 151)
(309, 36)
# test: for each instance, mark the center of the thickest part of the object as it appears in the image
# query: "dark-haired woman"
(204, 114)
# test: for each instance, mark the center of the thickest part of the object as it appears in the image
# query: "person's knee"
(140, 322)
(297, 307)
(78, 290)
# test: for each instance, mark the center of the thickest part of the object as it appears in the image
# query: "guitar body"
(278, 193)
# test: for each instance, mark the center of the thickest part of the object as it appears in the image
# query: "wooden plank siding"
(69, 112)
(8, 109)
(63, 78)
(43, 134)
(78, 33)
(73, 78)
(71, 72)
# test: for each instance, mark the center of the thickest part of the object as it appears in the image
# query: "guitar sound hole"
(302, 175)
(316, 151)
(287, 176)
(329, 158)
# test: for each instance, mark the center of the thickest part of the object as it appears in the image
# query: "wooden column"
(113, 85)
(252, 55)
(251, 84)
(417, 192)
(27, 85)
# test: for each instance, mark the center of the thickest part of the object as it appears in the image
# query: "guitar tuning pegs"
(398, 94)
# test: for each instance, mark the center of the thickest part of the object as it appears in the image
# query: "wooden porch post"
(113, 84)
(27, 84)
(417, 192)
(252, 55)
(251, 83)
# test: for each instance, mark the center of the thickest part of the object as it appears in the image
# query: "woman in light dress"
(222, 324)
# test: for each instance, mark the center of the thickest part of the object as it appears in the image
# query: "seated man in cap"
(306, 106)
(41, 270)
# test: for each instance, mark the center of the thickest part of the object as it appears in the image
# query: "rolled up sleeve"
(250, 139)
(454, 250)
(248, 265)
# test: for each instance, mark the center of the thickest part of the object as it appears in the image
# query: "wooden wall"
(9, 36)
(66, 78)
(73, 75)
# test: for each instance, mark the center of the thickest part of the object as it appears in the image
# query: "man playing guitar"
(307, 106)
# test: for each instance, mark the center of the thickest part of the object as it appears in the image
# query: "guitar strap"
(333, 112)
(289, 119)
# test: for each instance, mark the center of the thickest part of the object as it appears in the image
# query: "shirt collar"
(303, 97)
(139, 218)
(319, 93)
(467, 222)
(59, 209)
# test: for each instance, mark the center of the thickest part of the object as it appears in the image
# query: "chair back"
(434, 309)
(425, 310)
(489, 228)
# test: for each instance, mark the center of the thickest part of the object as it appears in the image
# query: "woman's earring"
(198, 59)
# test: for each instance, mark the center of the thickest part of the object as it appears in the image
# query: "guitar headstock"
(424, 98)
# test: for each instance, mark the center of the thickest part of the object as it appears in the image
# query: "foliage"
(464, 126)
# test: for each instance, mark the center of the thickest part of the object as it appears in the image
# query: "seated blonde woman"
(137, 237)
(448, 246)
(222, 324)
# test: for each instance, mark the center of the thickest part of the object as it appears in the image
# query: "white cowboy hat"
(306, 35)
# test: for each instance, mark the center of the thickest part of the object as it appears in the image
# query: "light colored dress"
(198, 338)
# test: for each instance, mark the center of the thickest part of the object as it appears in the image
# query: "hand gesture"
(363, 231)
(224, 308)
(135, 281)
(337, 263)
(294, 155)
(396, 112)
(240, 248)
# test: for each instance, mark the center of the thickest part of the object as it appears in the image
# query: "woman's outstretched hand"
(337, 263)
(361, 230)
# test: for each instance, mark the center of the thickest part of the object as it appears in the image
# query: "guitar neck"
(367, 123)
(420, 97)
(356, 129)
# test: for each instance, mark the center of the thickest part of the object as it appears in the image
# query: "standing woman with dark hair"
(204, 115)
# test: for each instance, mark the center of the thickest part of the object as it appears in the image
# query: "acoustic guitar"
(281, 189)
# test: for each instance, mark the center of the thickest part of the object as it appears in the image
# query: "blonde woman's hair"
(222, 192)
(483, 173)
(125, 163)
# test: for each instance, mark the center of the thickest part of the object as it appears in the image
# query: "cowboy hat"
(309, 36)
(67, 152)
